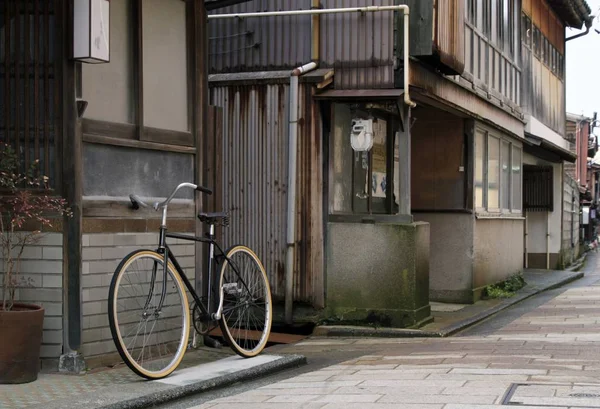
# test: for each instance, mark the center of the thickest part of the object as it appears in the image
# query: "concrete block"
(40, 294)
(147, 239)
(38, 266)
(95, 307)
(102, 240)
(85, 240)
(98, 348)
(85, 267)
(52, 309)
(51, 239)
(52, 253)
(52, 281)
(50, 351)
(72, 363)
(93, 280)
(30, 253)
(53, 323)
(52, 337)
(108, 266)
(95, 294)
(124, 239)
(91, 253)
(95, 321)
(91, 335)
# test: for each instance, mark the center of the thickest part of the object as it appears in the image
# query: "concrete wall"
(538, 224)
(102, 253)
(498, 250)
(451, 256)
(378, 273)
(42, 284)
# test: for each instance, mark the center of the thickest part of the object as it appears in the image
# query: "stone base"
(378, 274)
(71, 363)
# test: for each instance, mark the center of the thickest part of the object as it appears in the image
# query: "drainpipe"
(588, 25)
(291, 196)
(293, 130)
(526, 235)
(548, 241)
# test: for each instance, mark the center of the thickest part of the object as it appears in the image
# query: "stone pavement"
(119, 387)
(549, 357)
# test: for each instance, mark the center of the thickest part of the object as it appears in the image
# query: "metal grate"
(29, 117)
(538, 188)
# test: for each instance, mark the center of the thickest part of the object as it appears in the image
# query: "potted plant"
(26, 206)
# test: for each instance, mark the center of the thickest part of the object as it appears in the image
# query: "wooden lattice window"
(538, 192)
(30, 108)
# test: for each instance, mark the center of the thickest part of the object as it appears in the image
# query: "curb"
(349, 331)
(177, 392)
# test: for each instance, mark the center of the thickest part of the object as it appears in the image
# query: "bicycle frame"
(163, 248)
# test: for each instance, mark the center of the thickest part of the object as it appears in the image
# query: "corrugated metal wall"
(360, 47)
(254, 182)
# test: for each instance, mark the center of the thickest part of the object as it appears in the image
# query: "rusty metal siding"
(259, 44)
(359, 46)
(254, 182)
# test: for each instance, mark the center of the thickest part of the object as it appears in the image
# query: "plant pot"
(20, 341)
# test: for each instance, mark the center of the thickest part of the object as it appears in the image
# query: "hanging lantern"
(91, 29)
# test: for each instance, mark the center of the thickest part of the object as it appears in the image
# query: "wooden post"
(405, 163)
(200, 109)
(72, 182)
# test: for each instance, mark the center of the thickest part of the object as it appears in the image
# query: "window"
(497, 186)
(364, 182)
(144, 92)
(480, 148)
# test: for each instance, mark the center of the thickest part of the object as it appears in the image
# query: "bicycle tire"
(237, 291)
(125, 351)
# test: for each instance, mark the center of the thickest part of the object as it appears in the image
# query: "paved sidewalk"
(120, 388)
(546, 358)
(201, 370)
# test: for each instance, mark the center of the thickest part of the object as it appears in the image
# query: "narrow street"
(541, 353)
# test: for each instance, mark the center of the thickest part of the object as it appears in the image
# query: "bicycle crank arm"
(217, 315)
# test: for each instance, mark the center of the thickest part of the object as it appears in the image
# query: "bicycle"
(162, 306)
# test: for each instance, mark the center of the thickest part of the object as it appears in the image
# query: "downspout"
(526, 235)
(548, 240)
(293, 124)
(291, 188)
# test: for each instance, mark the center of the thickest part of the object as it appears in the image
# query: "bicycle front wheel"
(247, 310)
(150, 337)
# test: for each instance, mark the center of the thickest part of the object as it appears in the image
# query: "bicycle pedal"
(231, 289)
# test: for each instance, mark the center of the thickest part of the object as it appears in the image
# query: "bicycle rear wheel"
(247, 310)
(151, 340)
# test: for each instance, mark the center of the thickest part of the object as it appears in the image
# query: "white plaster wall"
(498, 250)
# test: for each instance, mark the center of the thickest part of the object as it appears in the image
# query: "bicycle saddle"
(213, 218)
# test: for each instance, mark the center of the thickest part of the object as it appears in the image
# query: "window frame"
(137, 133)
(484, 209)
(372, 209)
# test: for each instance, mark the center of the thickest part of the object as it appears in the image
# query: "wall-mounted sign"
(91, 31)
(585, 215)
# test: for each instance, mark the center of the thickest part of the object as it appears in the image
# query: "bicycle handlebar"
(137, 202)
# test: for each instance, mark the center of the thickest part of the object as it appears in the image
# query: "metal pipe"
(526, 234)
(367, 9)
(588, 25)
(548, 241)
(291, 188)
